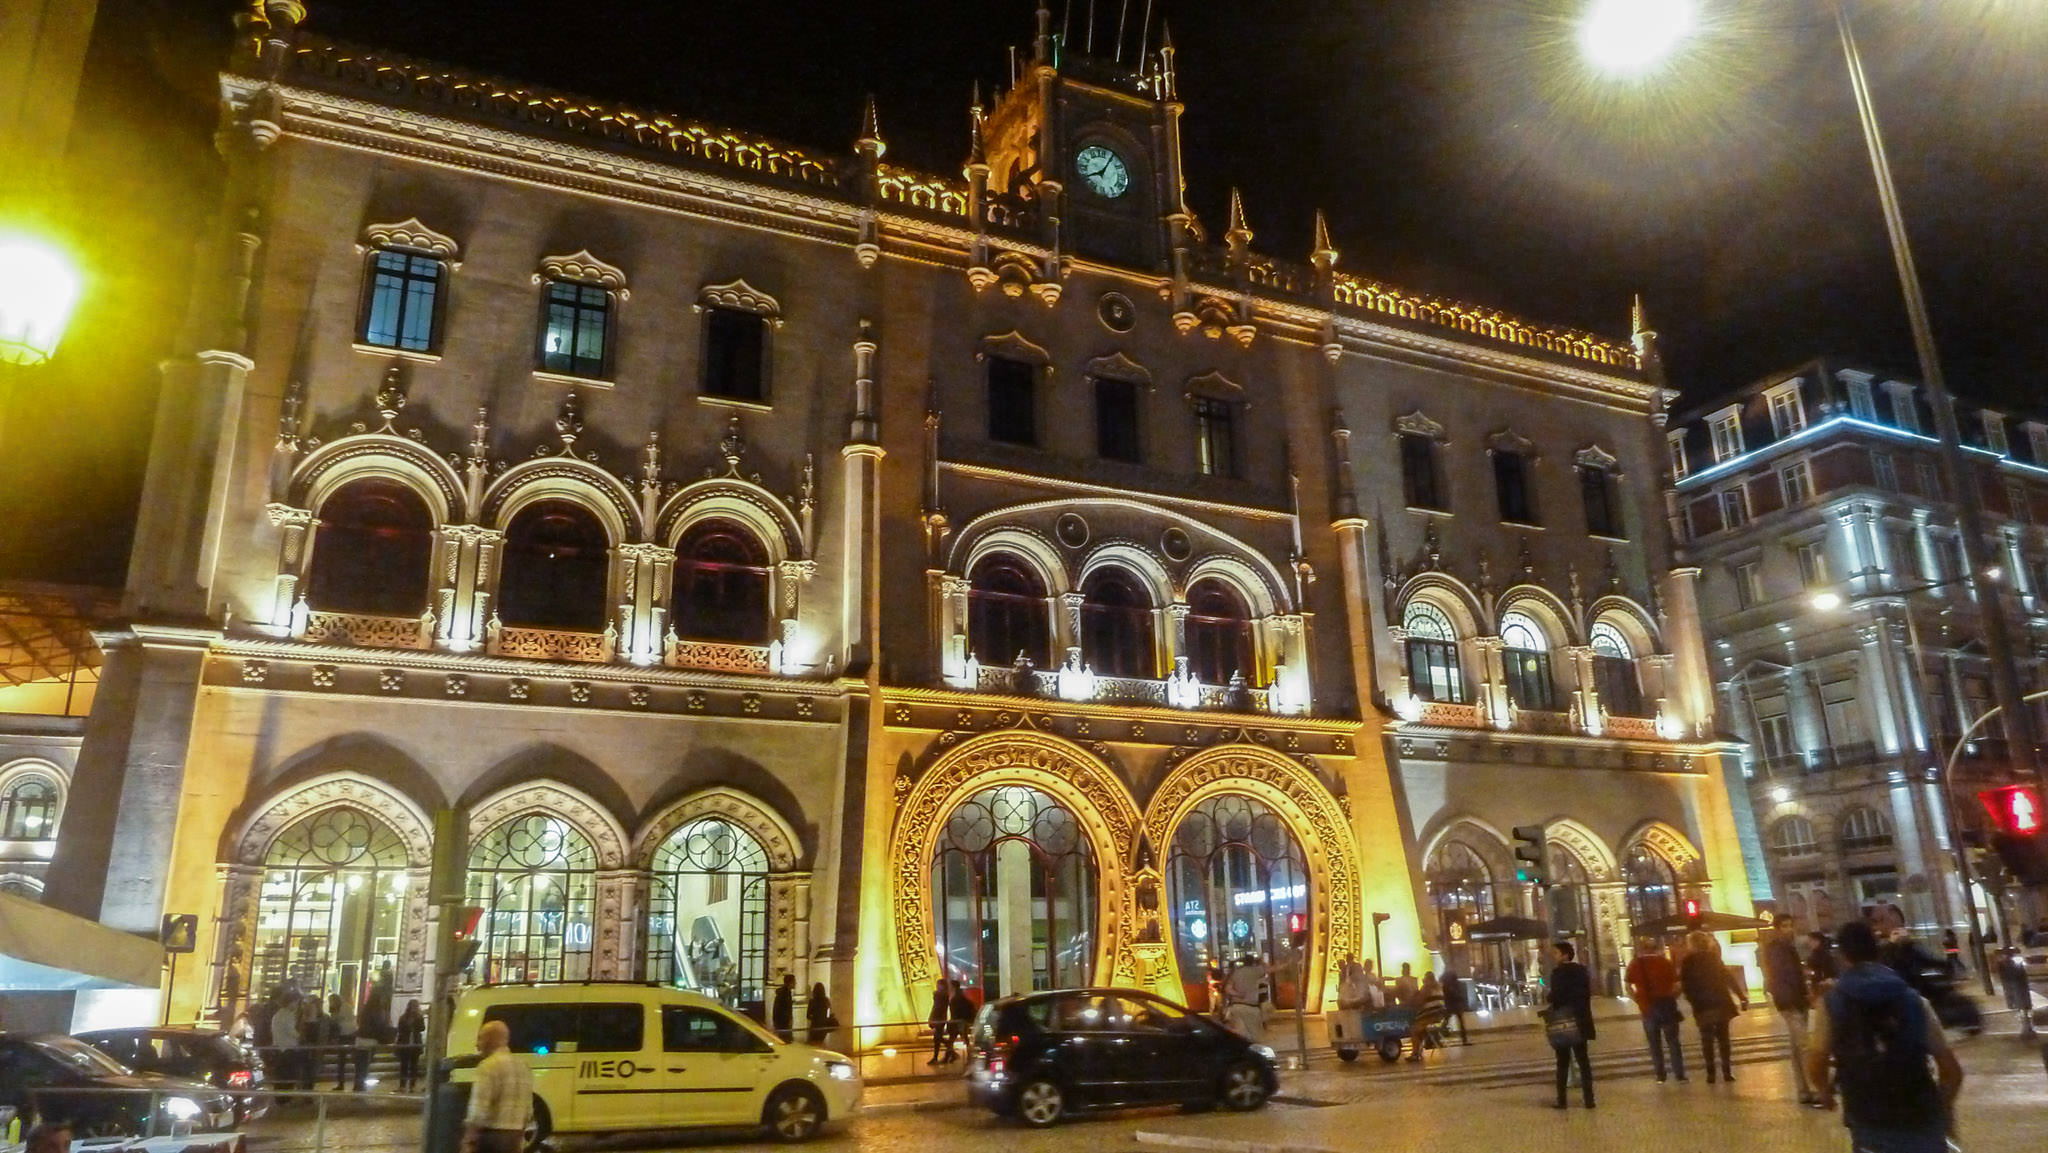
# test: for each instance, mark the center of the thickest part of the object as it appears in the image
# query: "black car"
(192, 1054)
(53, 1077)
(1039, 1056)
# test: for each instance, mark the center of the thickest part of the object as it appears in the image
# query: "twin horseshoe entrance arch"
(1133, 928)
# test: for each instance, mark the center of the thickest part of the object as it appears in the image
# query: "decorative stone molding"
(739, 296)
(1014, 345)
(339, 790)
(583, 268)
(1215, 386)
(1416, 424)
(1668, 843)
(1508, 440)
(556, 801)
(1593, 456)
(777, 837)
(410, 234)
(1117, 366)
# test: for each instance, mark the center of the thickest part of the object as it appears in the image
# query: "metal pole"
(1948, 773)
(1956, 473)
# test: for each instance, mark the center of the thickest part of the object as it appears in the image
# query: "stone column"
(1692, 692)
(1585, 706)
(862, 461)
(294, 538)
(1493, 687)
(1177, 636)
(1068, 628)
(789, 929)
(612, 938)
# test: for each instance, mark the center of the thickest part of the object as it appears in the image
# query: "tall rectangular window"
(1215, 437)
(1749, 584)
(1905, 408)
(404, 289)
(1012, 401)
(572, 340)
(733, 345)
(2019, 501)
(1433, 672)
(1735, 507)
(1511, 484)
(1813, 564)
(1797, 481)
(1994, 432)
(1602, 498)
(1886, 470)
(1930, 479)
(1676, 443)
(1860, 404)
(1419, 484)
(1788, 412)
(1116, 420)
(1726, 428)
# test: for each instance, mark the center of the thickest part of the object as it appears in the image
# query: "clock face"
(1103, 171)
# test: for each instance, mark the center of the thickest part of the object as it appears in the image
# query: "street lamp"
(38, 288)
(1633, 36)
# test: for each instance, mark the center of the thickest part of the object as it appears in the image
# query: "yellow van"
(608, 1057)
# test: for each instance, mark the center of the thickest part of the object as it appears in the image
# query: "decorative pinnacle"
(390, 399)
(569, 424)
(977, 156)
(1638, 324)
(1238, 232)
(732, 446)
(480, 435)
(870, 131)
(1324, 251)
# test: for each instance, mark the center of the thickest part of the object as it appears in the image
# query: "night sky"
(1460, 147)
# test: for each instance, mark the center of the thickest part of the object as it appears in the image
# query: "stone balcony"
(364, 630)
(1081, 685)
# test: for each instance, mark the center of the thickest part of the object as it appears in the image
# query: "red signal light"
(1296, 922)
(2015, 810)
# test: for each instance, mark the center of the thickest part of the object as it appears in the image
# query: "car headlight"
(839, 1070)
(1265, 1051)
(182, 1108)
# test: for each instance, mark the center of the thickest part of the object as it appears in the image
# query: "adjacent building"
(1846, 637)
(734, 559)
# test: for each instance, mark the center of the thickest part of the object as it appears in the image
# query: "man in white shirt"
(501, 1100)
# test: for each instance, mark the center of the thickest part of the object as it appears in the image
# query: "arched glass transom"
(1013, 890)
(1219, 634)
(331, 909)
(1007, 612)
(373, 551)
(1525, 662)
(1461, 891)
(556, 569)
(1237, 881)
(1608, 641)
(1793, 837)
(535, 877)
(1652, 885)
(28, 809)
(707, 913)
(721, 584)
(1865, 829)
(1433, 672)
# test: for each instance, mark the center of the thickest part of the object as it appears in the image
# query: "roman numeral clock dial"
(1103, 171)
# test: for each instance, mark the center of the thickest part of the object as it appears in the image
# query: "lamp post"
(38, 288)
(1633, 36)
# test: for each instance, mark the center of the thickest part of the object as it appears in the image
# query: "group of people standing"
(1435, 1001)
(951, 1019)
(1699, 976)
(819, 1020)
(297, 1033)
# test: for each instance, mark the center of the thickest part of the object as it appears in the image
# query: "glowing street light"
(1630, 37)
(38, 288)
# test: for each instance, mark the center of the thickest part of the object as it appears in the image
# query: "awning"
(1710, 921)
(47, 950)
(1508, 929)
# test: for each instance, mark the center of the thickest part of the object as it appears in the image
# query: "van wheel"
(794, 1113)
(1040, 1103)
(538, 1129)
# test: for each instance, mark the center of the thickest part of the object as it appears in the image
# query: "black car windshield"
(78, 1055)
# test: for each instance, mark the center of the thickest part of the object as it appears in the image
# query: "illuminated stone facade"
(991, 576)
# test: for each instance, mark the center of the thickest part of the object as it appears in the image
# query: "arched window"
(1433, 672)
(1614, 671)
(1864, 829)
(1235, 875)
(28, 809)
(373, 551)
(1013, 890)
(535, 877)
(1007, 612)
(1525, 660)
(1461, 891)
(1569, 903)
(1652, 886)
(1116, 626)
(707, 914)
(557, 567)
(330, 913)
(721, 584)
(1793, 837)
(1219, 634)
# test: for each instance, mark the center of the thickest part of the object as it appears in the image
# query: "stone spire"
(869, 143)
(1324, 255)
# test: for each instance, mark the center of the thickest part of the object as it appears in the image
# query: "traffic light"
(1692, 912)
(1532, 855)
(1297, 929)
(467, 919)
(2020, 830)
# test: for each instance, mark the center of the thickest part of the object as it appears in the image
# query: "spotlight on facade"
(1630, 37)
(1826, 602)
(1409, 708)
(38, 288)
(1781, 794)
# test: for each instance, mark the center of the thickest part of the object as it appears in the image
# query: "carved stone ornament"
(1416, 424)
(410, 234)
(340, 790)
(1215, 385)
(739, 296)
(1014, 345)
(579, 811)
(583, 268)
(1117, 366)
(1593, 456)
(1508, 440)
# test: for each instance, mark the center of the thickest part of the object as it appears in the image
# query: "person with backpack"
(1874, 1039)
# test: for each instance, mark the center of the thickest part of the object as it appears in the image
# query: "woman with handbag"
(1711, 991)
(1568, 1023)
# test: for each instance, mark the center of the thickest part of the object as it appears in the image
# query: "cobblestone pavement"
(1493, 1094)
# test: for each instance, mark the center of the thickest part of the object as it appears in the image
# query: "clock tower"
(1095, 141)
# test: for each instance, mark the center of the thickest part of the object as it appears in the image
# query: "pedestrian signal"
(1692, 912)
(1532, 855)
(2018, 832)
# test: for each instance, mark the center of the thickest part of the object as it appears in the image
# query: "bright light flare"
(37, 290)
(1826, 602)
(1631, 37)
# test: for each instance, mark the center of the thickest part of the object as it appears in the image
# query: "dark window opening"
(1433, 672)
(734, 343)
(404, 288)
(1621, 691)
(1216, 437)
(1530, 684)
(1511, 483)
(1419, 481)
(557, 564)
(721, 585)
(1012, 401)
(373, 551)
(1116, 626)
(573, 338)
(1603, 501)
(1116, 420)
(1007, 613)
(1219, 634)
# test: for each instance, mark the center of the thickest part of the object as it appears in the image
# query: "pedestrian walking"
(501, 1100)
(1785, 984)
(1873, 1040)
(1711, 991)
(1429, 1013)
(1405, 986)
(410, 1036)
(962, 1010)
(937, 1016)
(1571, 998)
(783, 1014)
(1243, 992)
(1653, 985)
(818, 1015)
(1457, 1003)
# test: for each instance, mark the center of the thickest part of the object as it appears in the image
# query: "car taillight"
(240, 1079)
(999, 1053)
